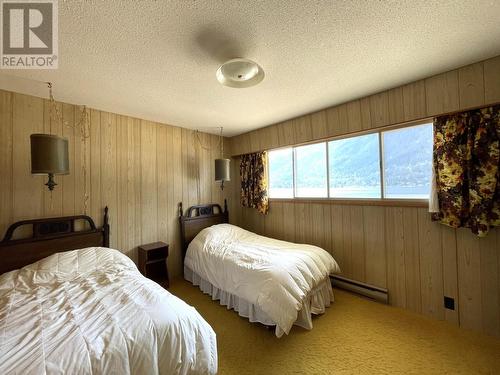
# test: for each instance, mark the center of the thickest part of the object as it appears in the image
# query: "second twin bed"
(276, 283)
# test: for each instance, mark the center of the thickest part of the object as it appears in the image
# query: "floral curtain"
(253, 173)
(466, 169)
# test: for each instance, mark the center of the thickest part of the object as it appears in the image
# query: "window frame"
(382, 201)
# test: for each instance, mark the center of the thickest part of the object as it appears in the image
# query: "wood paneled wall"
(467, 87)
(397, 248)
(140, 169)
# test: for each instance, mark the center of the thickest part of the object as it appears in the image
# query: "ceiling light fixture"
(240, 73)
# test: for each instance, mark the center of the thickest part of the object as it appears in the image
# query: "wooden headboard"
(198, 218)
(50, 236)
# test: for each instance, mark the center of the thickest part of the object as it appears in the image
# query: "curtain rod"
(467, 109)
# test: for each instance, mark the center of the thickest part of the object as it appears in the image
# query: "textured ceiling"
(157, 59)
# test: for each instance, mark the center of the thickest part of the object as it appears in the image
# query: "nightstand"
(153, 262)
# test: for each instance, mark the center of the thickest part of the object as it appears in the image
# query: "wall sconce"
(222, 168)
(222, 165)
(49, 155)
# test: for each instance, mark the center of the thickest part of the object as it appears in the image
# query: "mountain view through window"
(354, 166)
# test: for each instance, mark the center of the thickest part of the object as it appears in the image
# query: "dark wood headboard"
(50, 236)
(198, 218)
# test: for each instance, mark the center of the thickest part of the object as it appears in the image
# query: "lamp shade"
(222, 170)
(49, 154)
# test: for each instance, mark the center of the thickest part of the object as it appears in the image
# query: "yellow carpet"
(354, 336)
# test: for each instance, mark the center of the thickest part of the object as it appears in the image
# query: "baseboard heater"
(367, 290)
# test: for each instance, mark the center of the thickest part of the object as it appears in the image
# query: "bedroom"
(333, 116)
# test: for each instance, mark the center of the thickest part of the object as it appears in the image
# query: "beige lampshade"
(49, 154)
(222, 170)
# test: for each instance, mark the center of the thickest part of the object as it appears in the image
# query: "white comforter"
(274, 275)
(90, 311)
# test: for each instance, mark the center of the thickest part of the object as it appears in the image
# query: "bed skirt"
(315, 303)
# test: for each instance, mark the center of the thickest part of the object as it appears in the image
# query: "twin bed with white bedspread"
(266, 280)
(90, 311)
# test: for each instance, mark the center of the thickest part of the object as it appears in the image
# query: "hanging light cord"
(201, 143)
(83, 127)
(221, 143)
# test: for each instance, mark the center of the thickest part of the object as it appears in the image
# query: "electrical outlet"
(449, 303)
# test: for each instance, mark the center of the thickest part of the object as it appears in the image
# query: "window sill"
(423, 203)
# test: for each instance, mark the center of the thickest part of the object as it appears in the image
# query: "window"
(281, 173)
(310, 171)
(352, 167)
(408, 162)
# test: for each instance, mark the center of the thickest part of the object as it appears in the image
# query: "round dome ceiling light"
(240, 73)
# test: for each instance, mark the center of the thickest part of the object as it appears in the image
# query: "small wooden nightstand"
(153, 262)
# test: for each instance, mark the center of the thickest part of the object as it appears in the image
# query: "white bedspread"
(90, 311)
(274, 275)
